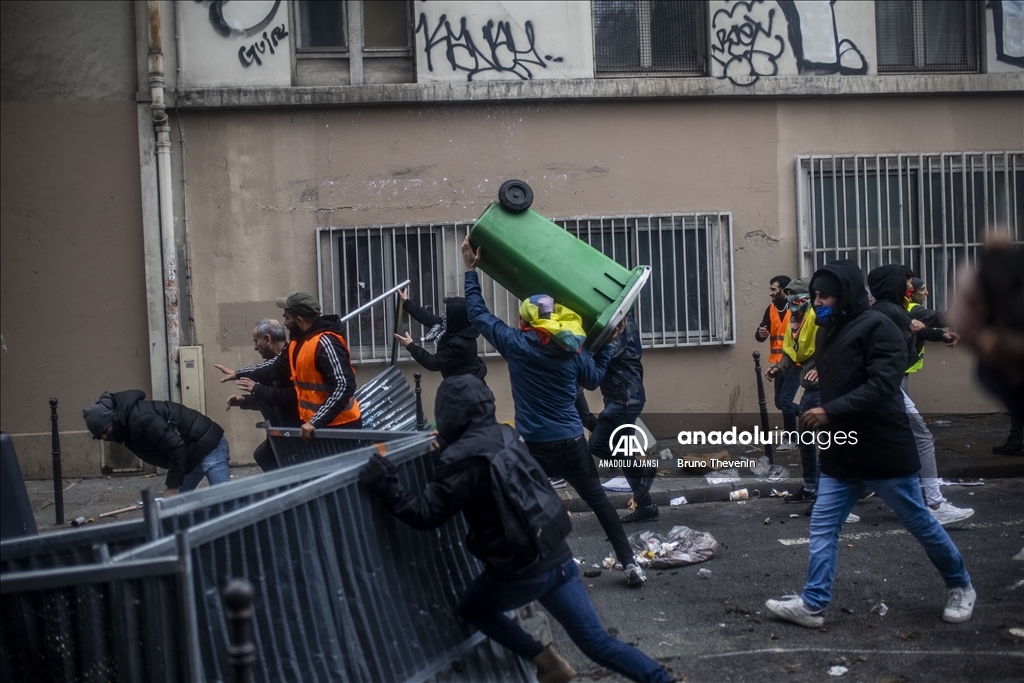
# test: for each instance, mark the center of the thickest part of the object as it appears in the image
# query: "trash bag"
(680, 547)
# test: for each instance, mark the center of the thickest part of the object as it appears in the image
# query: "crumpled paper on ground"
(680, 547)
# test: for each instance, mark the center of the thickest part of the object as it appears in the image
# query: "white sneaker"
(960, 606)
(852, 519)
(949, 514)
(785, 445)
(556, 483)
(635, 576)
(792, 608)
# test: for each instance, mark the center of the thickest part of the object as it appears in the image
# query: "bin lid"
(617, 310)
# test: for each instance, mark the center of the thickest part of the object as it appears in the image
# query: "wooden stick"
(137, 506)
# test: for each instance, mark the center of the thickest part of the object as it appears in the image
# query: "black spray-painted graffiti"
(841, 56)
(225, 29)
(252, 54)
(248, 20)
(747, 45)
(500, 54)
(1008, 26)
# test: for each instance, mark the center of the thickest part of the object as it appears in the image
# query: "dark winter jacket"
(456, 349)
(467, 433)
(861, 360)
(276, 401)
(624, 381)
(164, 433)
(331, 359)
(543, 376)
(887, 284)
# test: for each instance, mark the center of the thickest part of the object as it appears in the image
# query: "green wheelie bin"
(527, 254)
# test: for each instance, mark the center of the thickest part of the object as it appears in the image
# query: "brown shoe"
(551, 668)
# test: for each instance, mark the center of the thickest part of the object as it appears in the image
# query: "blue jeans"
(613, 416)
(836, 499)
(561, 592)
(785, 389)
(809, 454)
(214, 467)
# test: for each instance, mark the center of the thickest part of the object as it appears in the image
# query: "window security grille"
(687, 301)
(926, 211)
(917, 36)
(649, 38)
(322, 25)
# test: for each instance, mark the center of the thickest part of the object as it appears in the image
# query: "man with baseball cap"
(317, 361)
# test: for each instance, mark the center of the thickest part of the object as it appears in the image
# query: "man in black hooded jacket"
(165, 434)
(887, 286)
(861, 357)
(467, 436)
(455, 337)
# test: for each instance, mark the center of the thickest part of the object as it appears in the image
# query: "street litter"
(778, 494)
(741, 494)
(666, 454)
(1019, 556)
(579, 561)
(617, 484)
(608, 562)
(1017, 632)
(881, 608)
(767, 521)
(772, 472)
(837, 671)
(703, 573)
(681, 500)
(792, 516)
(939, 423)
(723, 476)
(680, 547)
(591, 573)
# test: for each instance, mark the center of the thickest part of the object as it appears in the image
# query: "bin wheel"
(515, 195)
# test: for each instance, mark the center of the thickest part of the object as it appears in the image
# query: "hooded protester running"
(473, 448)
(861, 356)
(887, 285)
(455, 338)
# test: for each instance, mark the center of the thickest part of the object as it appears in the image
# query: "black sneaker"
(801, 496)
(1009, 447)
(642, 515)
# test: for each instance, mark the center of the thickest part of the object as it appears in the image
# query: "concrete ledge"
(593, 88)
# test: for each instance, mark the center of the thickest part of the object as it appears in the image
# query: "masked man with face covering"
(455, 337)
(861, 358)
(468, 437)
(887, 284)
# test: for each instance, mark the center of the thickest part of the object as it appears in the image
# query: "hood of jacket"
(888, 284)
(124, 403)
(463, 403)
(854, 298)
(458, 319)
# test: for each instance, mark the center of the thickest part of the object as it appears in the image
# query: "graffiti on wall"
(497, 52)
(1008, 26)
(245, 20)
(748, 42)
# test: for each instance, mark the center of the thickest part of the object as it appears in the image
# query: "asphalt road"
(716, 628)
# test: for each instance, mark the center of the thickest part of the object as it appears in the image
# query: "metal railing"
(344, 592)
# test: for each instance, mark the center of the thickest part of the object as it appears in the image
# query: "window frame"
(702, 33)
(974, 35)
(351, 13)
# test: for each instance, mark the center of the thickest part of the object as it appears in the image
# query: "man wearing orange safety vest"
(318, 364)
(775, 326)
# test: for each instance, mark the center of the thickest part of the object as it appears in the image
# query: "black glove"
(376, 473)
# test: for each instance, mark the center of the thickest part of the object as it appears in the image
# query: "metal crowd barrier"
(343, 592)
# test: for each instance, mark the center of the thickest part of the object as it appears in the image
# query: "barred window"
(649, 38)
(916, 36)
(926, 211)
(686, 302)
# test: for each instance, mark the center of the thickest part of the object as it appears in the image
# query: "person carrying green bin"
(546, 359)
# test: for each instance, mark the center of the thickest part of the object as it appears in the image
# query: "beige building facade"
(722, 143)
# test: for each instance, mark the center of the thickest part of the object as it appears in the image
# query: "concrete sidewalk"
(963, 450)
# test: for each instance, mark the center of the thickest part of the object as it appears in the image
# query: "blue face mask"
(823, 315)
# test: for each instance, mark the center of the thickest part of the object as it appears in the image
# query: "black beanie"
(828, 284)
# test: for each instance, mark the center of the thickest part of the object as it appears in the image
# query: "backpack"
(533, 517)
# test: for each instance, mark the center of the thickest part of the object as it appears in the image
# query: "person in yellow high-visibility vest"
(774, 327)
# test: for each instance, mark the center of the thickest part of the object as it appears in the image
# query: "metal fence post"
(421, 420)
(238, 596)
(150, 514)
(58, 484)
(763, 405)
